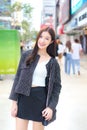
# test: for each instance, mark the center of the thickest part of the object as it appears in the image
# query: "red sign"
(60, 29)
(46, 25)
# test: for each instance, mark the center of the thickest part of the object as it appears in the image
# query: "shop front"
(78, 27)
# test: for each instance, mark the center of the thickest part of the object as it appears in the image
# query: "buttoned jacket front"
(23, 80)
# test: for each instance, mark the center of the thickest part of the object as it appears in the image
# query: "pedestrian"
(21, 46)
(68, 57)
(37, 84)
(77, 52)
(60, 49)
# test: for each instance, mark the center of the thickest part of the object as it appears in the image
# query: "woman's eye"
(47, 38)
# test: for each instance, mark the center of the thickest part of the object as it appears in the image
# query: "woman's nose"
(43, 39)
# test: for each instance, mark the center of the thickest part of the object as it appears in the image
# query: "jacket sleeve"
(56, 87)
(13, 95)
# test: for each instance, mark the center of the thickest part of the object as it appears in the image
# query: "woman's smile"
(42, 44)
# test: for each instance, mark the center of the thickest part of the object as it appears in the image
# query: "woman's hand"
(47, 113)
(14, 109)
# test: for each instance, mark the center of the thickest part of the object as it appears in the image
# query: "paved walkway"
(71, 110)
(84, 62)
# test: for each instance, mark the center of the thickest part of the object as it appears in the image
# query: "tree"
(27, 9)
(26, 23)
(17, 6)
(29, 33)
(15, 9)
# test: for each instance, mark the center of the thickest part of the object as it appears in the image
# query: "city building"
(48, 14)
(9, 20)
(5, 15)
(71, 20)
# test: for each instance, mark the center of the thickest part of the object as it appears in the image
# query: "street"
(71, 109)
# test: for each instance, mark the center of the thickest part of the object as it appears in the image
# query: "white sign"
(82, 17)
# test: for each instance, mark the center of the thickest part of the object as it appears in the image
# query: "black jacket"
(23, 80)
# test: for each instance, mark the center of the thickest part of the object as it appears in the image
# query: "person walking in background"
(59, 50)
(68, 57)
(77, 52)
(35, 97)
(21, 46)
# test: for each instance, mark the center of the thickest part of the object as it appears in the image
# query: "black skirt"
(31, 107)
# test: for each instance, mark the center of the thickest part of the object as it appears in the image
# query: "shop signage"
(82, 17)
(77, 21)
(74, 23)
(76, 5)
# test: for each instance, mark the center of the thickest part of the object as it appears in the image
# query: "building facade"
(48, 14)
(5, 15)
(9, 20)
(72, 20)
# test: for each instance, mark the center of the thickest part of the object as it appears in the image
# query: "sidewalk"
(84, 62)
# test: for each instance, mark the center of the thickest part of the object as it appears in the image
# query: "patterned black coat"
(23, 80)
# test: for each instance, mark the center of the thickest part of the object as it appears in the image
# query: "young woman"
(37, 84)
(68, 57)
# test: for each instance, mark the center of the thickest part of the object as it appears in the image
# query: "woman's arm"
(56, 87)
(13, 95)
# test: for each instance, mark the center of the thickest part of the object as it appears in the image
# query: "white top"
(76, 50)
(60, 48)
(67, 51)
(40, 74)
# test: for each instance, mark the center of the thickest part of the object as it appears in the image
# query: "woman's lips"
(41, 44)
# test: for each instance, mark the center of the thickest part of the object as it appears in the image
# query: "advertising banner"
(76, 4)
(9, 51)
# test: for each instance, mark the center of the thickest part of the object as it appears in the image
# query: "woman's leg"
(65, 64)
(73, 66)
(69, 63)
(78, 66)
(38, 126)
(21, 124)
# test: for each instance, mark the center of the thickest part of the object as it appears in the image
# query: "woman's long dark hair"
(68, 45)
(51, 49)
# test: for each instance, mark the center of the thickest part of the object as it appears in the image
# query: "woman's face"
(44, 40)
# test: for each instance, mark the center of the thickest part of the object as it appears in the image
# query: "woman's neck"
(42, 53)
(44, 56)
